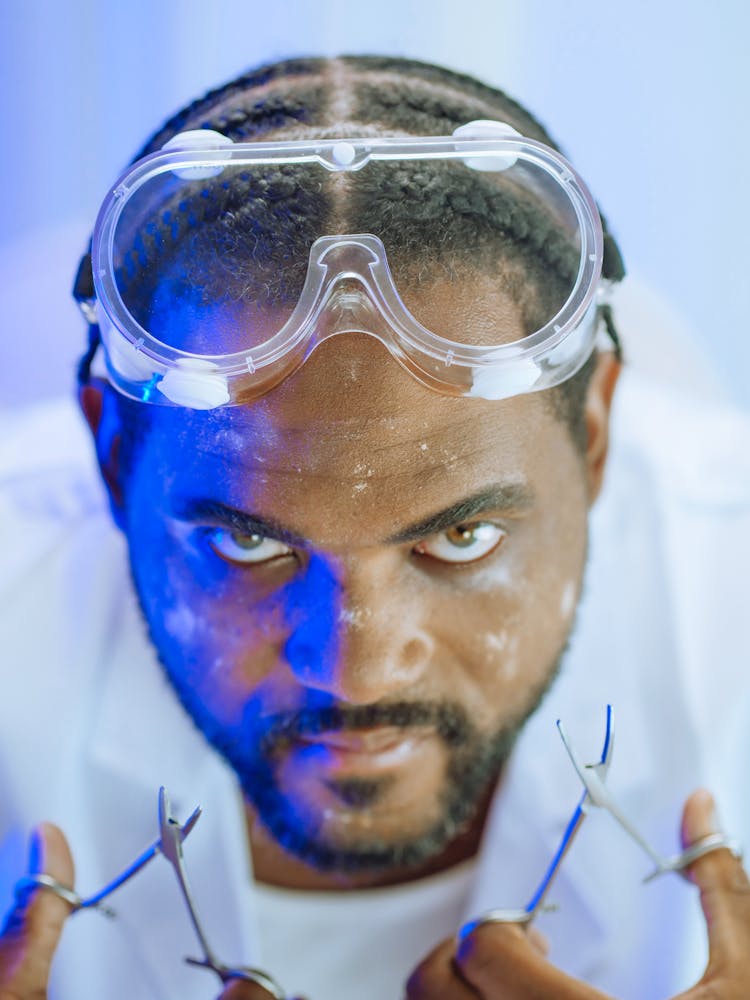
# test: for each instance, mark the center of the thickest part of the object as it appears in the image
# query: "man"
(358, 554)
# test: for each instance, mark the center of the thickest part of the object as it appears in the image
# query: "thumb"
(238, 989)
(722, 881)
(33, 927)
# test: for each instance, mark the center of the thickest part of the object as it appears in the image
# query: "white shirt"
(89, 729)
(367, 942)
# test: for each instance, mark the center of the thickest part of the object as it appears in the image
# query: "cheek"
(217, 640)
(508, 635)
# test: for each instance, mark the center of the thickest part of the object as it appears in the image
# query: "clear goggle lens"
(216, 264)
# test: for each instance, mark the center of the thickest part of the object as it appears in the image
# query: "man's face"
(359, 589)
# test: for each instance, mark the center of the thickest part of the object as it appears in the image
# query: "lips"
(373, 740)
(377, 748)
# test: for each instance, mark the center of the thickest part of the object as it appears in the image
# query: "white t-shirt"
(365, 942)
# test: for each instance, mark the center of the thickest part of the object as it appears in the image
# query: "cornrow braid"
(202, 113)
(459, 84)
(231, 242)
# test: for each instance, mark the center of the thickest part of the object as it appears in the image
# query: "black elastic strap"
(607, 316)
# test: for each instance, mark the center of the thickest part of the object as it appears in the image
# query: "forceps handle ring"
(244, 974)
(43, 881)
(706, 845)
(712, 842)
(71, 897)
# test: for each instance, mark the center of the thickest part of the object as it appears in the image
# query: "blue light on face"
(314, 646)
(147, 390)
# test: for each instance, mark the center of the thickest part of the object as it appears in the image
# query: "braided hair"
(408, 205)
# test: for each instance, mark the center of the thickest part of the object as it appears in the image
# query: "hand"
(33, 927)
(502, 962)
(725, 898)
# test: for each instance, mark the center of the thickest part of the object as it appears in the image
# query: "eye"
(245, 549)
(463, 543)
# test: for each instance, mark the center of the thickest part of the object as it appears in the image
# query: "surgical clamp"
(536, 903)
(599, 795)
(169, 843)
(171, 847)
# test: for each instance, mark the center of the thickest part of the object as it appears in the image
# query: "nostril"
(414, 653)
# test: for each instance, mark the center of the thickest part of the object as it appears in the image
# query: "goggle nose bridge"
(350, 274)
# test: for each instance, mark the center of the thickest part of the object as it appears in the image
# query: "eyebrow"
(242, 522)
(498, 497)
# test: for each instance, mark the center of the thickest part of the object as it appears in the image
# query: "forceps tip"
(191, 821)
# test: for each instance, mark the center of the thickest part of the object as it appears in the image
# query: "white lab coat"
(89, 729)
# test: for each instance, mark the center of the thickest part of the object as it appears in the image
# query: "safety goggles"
(216, 274)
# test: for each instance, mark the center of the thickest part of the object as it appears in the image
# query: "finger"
(33, 927)
(238, 989)
(722, 881)
(437, 977)
(538, 940)
(501, 963)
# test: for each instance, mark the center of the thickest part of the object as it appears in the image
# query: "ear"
(97, 402)
(597, 413)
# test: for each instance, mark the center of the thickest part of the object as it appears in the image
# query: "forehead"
(351, 448)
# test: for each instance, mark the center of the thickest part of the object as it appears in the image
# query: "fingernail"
(708, 806)
(713, 815)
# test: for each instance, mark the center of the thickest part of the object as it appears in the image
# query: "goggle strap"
(83, 286)
(83, 371)
(613, 266)
(83, 293)
(607, 316)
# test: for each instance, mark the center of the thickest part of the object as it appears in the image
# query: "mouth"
(379, 748)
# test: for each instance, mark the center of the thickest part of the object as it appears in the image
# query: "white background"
(648, 99)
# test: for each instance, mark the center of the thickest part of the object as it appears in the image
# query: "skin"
(321, 624)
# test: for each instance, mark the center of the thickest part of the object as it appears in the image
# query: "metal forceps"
(536, 903)
(170, 845)
(599, 795)
(96, 900)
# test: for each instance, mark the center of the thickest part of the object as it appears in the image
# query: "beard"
(474, 762)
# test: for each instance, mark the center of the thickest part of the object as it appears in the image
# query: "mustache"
(449, 720)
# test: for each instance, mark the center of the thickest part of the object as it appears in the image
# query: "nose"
(354, 632)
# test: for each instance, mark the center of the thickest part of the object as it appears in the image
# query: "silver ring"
(258, 977)
(520, 917)
(43, 881)
(706, 845)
